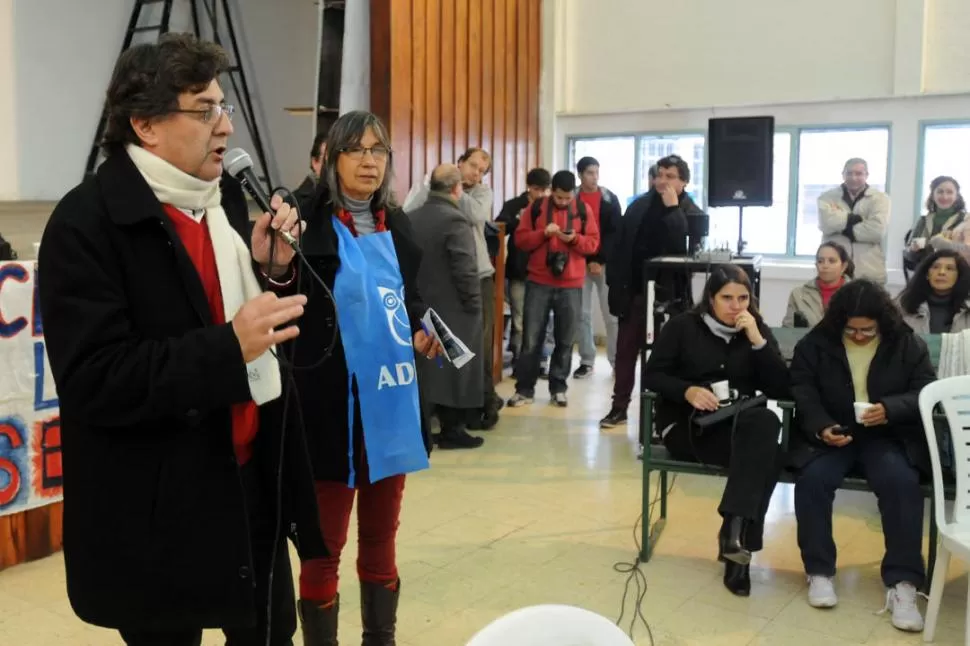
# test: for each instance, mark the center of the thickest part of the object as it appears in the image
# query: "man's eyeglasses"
(379, 152)
(868, 332)
(213, 113)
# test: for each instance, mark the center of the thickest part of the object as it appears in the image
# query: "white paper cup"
(860, 410)
(721, 390)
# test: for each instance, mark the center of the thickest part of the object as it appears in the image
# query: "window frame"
(795, 131)
(924, 125)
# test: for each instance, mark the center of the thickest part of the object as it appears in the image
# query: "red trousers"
(378, 514)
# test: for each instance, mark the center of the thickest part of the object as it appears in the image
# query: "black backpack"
(580, 211)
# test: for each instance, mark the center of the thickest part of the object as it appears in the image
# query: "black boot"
(319, 625)
(378, 613)
(737, 578)
(731, 541)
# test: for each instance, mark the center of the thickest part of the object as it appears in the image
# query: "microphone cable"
(290, 391)
(635, 574)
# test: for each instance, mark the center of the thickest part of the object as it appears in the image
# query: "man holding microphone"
(161, 344)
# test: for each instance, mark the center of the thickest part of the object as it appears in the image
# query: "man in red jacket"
(557, 235)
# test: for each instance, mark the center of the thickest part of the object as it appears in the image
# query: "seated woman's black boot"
(731, 543)
(737, 578)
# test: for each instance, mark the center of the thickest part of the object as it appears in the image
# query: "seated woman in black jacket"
(723, 339)
(856, 379)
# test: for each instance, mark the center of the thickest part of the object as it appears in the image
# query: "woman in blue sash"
(360, 405)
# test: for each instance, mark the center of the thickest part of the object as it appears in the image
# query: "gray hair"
(347, 132)
(853, 162)
(444, 178)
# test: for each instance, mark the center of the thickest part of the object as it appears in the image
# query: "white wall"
(8, 126)
(63, 54)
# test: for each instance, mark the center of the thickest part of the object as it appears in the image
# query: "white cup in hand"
(723, 391)
(860, 410)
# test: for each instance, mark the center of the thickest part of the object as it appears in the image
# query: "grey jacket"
(448, 280)
(920, 321)
(866, 249)
(475, 205)
(807, 300)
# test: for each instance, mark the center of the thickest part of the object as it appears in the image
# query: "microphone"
(240, 165)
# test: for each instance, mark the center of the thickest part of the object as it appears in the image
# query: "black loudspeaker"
(740, 161)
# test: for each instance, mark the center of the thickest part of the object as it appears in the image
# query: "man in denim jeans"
(558, 236)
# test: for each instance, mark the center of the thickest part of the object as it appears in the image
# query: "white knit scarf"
(237, 282)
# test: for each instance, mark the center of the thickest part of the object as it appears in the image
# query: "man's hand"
(255, 321)
(595, 268)
(875, 415)
(832, 439)
(286, 219)
(670, 197)
(701, 398)
(552, 229)
(426, 345)
(567, 237)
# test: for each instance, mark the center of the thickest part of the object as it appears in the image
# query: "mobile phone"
(845, 431)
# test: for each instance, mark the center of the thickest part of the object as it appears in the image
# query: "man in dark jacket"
(159, 340)
(604, 207)
(448, 278)
(654, 225)
(537, 183)
(306, 190)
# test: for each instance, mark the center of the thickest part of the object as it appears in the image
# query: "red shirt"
(827, 291)
(198, 243)
(533, 240)
(592, 200)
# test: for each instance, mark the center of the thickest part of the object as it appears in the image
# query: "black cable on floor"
(636, 575)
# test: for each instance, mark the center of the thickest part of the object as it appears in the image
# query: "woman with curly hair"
(937, 297)
(856, 379)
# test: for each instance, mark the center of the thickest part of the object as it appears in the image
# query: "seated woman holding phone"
(856, 379)
(710, 362)
(807, 303)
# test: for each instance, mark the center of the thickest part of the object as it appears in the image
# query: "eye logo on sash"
(397, 317)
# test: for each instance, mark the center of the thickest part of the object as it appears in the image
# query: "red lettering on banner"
(48, 473)
(12, 488)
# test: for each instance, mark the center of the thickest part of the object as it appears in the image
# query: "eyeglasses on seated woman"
(856, 379)
(807, 303)
(937, 298)
(723, 345)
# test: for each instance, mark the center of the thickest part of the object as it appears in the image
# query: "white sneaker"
(821, 592)
(901, 600)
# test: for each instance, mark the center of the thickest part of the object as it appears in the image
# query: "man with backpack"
(558, 236)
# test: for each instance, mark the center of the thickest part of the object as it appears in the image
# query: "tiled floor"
(541, 514)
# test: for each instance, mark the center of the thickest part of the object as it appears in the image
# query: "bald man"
(448, 279)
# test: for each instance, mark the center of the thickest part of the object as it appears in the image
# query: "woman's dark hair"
(958, 206)
(721, 276)
(866, 299)
(843, 256)
(148, 79)
(918, 288)
(345, 133)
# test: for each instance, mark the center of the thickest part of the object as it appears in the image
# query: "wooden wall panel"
(450, 74)
(31, 534)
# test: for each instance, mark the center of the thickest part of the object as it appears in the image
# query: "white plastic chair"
(551, 624)
(954, 533)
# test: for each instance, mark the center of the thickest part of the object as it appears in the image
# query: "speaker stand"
(741, 243)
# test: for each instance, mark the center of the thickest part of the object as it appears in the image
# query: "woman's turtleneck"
(827, 289)
(941, 312)
(940, 216)
(361, 212)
